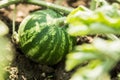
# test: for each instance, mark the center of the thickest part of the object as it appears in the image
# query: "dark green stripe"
(50, 47)
(35, 41)
(23, 24)
(55, 57)
(67, 42)
(51, 59)
(40, 16)
(51, 42)
(40, 19)
(28, 35)
(45, 47)
(52, 13)
(41, 48)
(62, 51)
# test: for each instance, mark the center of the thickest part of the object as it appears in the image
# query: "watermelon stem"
(63, 9)
(58, 21)
(14, 33)
(8, 2)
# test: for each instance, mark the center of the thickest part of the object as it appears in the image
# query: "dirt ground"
(24, 69)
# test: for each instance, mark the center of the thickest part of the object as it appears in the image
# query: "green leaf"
(3, 28)
(94, 71)
(76, 58)
(101, 56)
(7, 52)
(7, 55)
(83, 21)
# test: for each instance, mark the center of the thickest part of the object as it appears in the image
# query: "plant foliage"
(101, 55)
(83, 21)
(7, 52)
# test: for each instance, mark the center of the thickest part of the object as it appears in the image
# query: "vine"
(101, 18)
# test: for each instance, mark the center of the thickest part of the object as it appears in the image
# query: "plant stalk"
(93, 4)
(39, 3)
(8, 2)
(13, 21)
(50, 5)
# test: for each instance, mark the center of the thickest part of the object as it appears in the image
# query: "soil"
(24, 69)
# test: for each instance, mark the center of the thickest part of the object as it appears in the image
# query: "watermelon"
(43, 39)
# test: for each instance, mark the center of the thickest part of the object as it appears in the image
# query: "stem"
(14, 33)
(57, 21)
(93, 5)
(61, 20)
(112, 37)
(39, 3)
(50, 5)
(8, 2)
(13, 21)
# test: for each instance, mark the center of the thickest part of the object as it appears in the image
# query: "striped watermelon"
(42, 39)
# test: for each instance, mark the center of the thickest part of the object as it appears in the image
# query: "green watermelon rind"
(46, 44)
